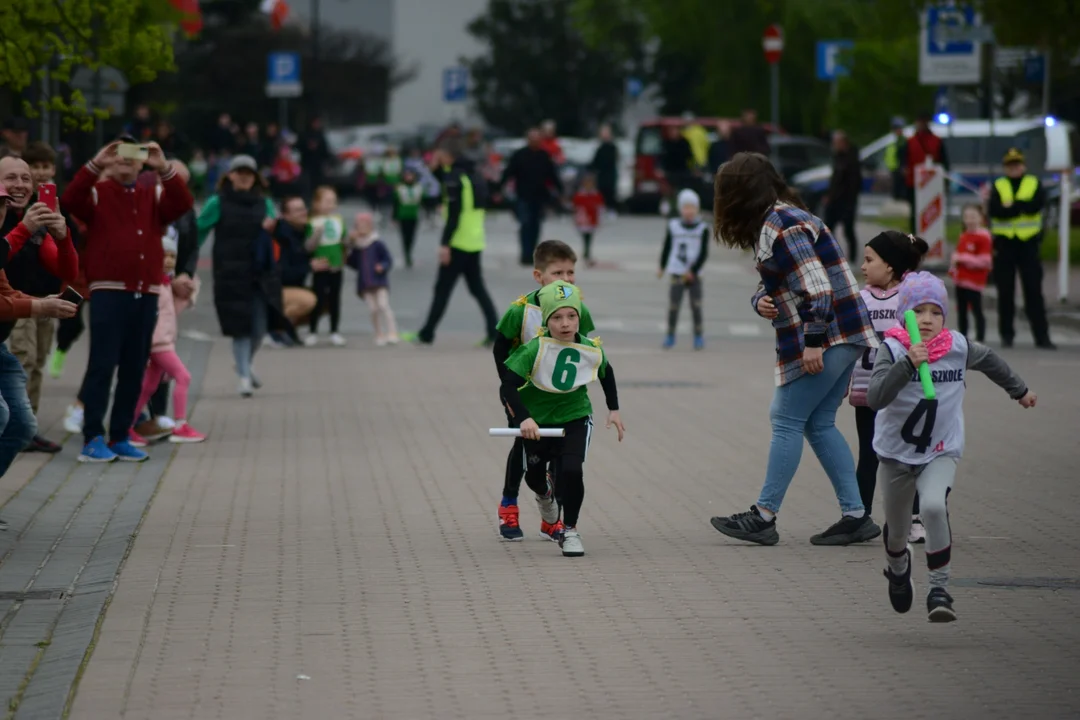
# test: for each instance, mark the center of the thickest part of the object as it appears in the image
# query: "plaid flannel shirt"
(804, 271)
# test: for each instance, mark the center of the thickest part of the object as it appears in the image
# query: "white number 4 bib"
(563, 366)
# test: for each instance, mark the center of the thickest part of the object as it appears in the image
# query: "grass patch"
(1048, 251)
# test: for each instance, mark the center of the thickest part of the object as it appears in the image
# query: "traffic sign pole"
(773, 44)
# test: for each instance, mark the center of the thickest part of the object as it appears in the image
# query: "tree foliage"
(538, 66)
(708, 57)
(134, 36)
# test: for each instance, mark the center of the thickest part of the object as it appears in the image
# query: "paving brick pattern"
(331, 552)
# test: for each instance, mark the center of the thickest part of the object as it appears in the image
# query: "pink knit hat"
(919, 288)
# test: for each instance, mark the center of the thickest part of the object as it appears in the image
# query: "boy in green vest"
(552, 260)
(546, 384)
(407, 198)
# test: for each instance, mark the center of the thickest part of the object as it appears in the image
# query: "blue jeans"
(18, 426)
(807, 407)
(244, 348)
(121, 330)
(530, 214)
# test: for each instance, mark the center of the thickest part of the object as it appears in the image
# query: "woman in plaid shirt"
(822, 328)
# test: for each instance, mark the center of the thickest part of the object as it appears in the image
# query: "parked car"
(348, 147)
(791, 154)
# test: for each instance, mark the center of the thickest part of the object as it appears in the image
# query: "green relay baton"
(924, 369)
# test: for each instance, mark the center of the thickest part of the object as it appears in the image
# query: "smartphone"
(133, 151)
(47, 194)
(71, 296)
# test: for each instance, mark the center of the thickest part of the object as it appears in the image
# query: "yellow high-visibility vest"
(1021, 227)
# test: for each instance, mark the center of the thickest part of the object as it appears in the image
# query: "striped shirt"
(804, 271)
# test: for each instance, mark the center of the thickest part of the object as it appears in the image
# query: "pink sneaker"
(137, 440)
(184, 433)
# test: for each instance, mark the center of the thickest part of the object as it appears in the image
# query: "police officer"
(1016, 222)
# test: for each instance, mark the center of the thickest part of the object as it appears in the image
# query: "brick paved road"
(331, 551)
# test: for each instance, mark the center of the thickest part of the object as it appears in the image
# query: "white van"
(974, 149)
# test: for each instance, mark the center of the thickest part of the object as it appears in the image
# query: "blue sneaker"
(124, 450)
(699, 342)
(669, 342)
(96, 451)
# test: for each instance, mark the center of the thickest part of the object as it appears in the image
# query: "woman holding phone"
(247, 283)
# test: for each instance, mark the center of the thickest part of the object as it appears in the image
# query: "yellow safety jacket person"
(892, 155)
(463, 211)
(1024, 226)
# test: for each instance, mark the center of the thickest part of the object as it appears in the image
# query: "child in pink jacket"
(163, 357)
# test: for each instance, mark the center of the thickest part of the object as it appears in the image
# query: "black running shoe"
(901, 589)
(848, 531)
(939, 606)
(748, 526)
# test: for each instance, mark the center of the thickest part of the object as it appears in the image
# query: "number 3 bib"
(563, 366)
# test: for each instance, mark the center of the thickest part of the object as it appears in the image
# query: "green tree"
(538, 66)
(134, 36)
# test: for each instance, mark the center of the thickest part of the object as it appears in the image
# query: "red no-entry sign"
(773, 43)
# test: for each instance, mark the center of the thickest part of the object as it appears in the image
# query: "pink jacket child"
(163, 358)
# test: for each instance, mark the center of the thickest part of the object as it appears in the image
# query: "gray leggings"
(934, 481)
(678, 287)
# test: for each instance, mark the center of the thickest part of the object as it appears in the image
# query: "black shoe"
(849, 530)
(1006, 342)
(748, 526)
(1045, 345)
(42, 445)
(901, 589)
(3, 525)
(939, 606)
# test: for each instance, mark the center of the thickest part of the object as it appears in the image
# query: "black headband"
(895, 256)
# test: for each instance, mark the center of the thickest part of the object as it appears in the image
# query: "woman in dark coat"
(247, 281)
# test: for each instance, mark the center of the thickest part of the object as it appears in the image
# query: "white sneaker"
(337, 340)
(549, 509)
(917, 534)
(245, 388)
(393, 339)
(380, 342)
(571, 543)
(311, 340)
(165, 422)
(73, 419)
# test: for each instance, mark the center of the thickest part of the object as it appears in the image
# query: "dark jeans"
(69, 329)
(843, 213)
(461, 263)
(530, 215)
(966, 298)
(568, 455)
(408, 239)
(18, 426)
(121, 329)
(1020, 255)
(326, 284)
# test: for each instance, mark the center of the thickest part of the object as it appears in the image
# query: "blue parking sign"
(283, 75)
(830, 65)
(455, 84)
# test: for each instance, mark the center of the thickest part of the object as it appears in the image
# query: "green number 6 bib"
(563, 366)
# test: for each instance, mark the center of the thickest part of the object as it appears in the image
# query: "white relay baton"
(516, 432)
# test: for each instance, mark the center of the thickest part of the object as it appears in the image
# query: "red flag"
(278, 10)
(191, 22)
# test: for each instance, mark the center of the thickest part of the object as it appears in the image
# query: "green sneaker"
(56, 363)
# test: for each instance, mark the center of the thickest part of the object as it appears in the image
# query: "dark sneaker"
(848, 531)
(1045, 345)
(939, 606)
(42, 445)
(748, 526)
(901, 589)
(3, 525)
(509, 528)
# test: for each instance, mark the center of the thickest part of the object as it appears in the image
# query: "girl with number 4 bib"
(547, 386)
(920, 441)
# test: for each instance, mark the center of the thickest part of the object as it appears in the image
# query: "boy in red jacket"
(123, 260)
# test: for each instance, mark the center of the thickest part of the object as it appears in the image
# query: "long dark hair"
(744, 190)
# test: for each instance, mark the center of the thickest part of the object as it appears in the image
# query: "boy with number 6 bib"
(920, 441)
(552, 260)
(546, 384)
